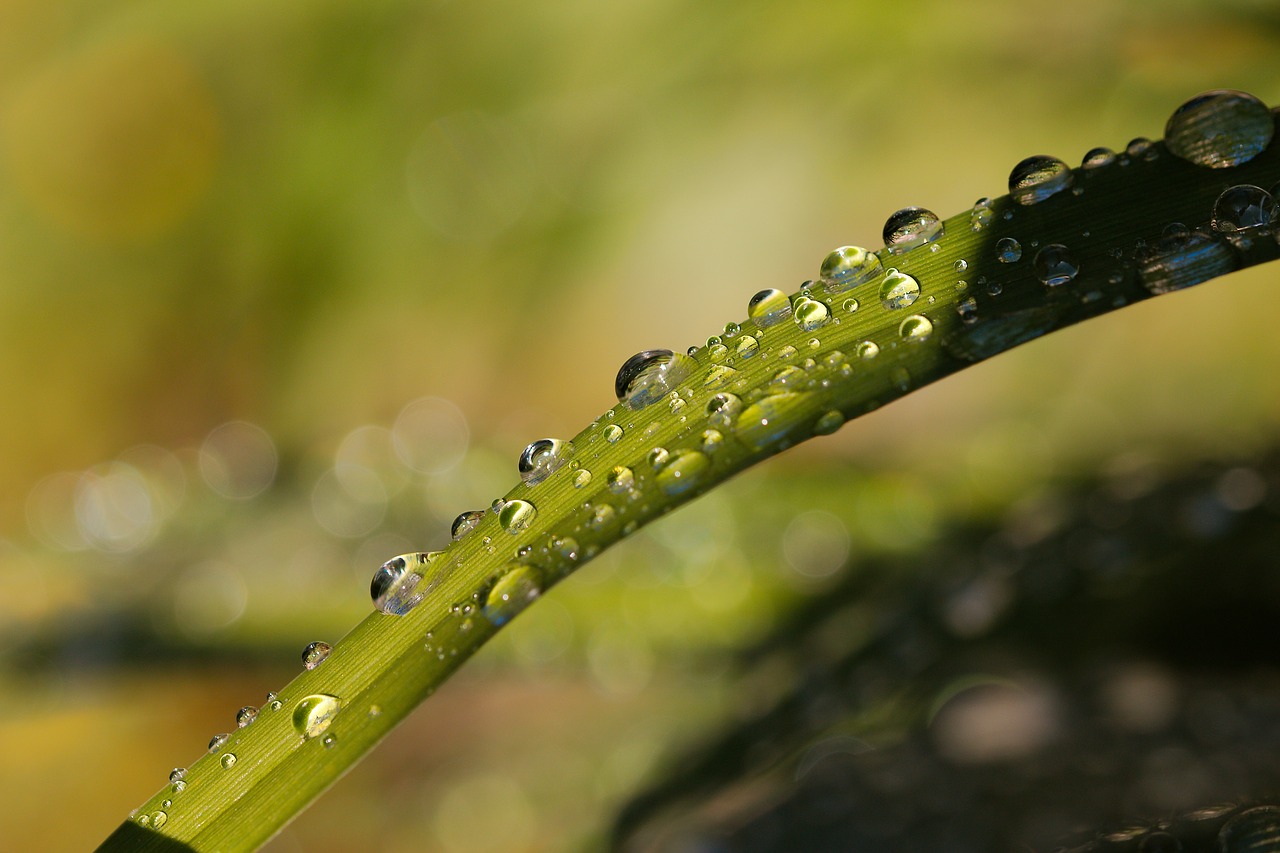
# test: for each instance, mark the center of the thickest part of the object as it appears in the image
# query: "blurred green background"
(284, 287)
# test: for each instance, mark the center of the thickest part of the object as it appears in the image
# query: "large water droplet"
(810, 314)
(229, 760)
(1037, 178)
(1243, 207)
(1055, 265)
(1220, 129)
(1008, 250)
(847, 267)
(512, 593)
(245, 716)
(650, 376)
(541, 458)
(747, 346)
(771, 420)
(898, 290)
(1255, 830)
(911, 227)
(769, 308)
(1096, 158)
(465, 523)
(315, 654)
(612, 433)
(683, 472)
(1180, 261)
(313, 714)
(516, 516)
(723, 408)
(394, 588)
(867, 350)
(159, 819)
(218, 741)
(915, 328)
(621, 480)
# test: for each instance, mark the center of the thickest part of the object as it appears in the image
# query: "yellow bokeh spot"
(116, 143)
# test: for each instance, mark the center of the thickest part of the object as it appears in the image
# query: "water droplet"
(810, 314)
(1142, 148)
(915, 328)
(516, 516)
(218, 741)
(769, 308)
(394, 588)
(612, 433)
(159, 819)
(649, 376)
(967, 308)
(730, 330)
(313, 714)
(847, 267)
(229, 759)
(717, 350)
(747, 346)
(898, 290)
(771, 421)
(602, 516)
(982, 214)
(273, 702)
(167, 804)
(960, 265)
(828, 423)
(465, 523)
(685, 470)
(867, 350)
(1037, 178)
(911, 227)
(723, 408)
(144, 819)
(329, 741)
(1220, 129)
(1243, 207)
(850, 305)
(712, 439)
(581, 479)
(1255, 830)
(177, 774)
(621, 480)
(511, 594)
(658, 457)
(1180, 261)
(542, 458)
(1008, 250)
(1096, 158)
(315, 653)
(245, 716)
(999, 333)
(1055, 265)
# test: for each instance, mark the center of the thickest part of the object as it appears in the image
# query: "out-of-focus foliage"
(238, 242)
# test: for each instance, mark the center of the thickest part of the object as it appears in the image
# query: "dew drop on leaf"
(898, 290)
(218, 741)
(229, 760)
(516, 516)
(1055, 265)
(1242, 208)
(1096, 158)
(465, 523)
(313, 714)
(315, 654)
(915, 328)
(848, 267)
(1037, 178)
(511, 594)
(542, 458)
(1183, 260)
(910, 227)
(1008, 250)
(809, 313)
(769, 308)
(621, 480)
(245, 716)
(1220, 129)
(649, 376)
(683, 472)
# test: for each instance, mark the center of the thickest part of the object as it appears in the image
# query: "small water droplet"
(1055, 265)
(867, 350)
(581, 479)
(911, 227)
(723, 408)
(167, 804)
(730, 330)
(313, 714)
(516, 516)
(828, 423)
(218, 741)
(465, 523)
(747, 346)
(621, 480)
(712, 439)
(657, 458)
(1096, 158)
(960, 265)
(1008, 250)
(1037, 178)
(915, 328)
(511, 594)
(144, 819)
(177, 774)
(809, 313)
(1242, 208)
(649, 376)
(329, 741)
(982, 214)
(179, 786)
(229, 759)
(898, 290)
(850, 305)
(967, 308)
(315, 653)
(1179, 261)
(542, 458)
(1220, 129)
(1255, 830)
(769, 308)
(847, 267)
(245, 716)
(612, 433)
(685, 471)
(1142, 148)
(159, 819)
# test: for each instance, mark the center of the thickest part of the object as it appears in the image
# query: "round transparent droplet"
(850, 305)
(960, 265)
(159, 819)
(612, 433)
(1037, 178)
(395, 585)
(747, 346)
(1220, 129)
(848, 266)
(516, 516)
(810, 314)
(315, 654)
(1255, 830)
(1141, 148)
(828, 423)
(177, 774)
(712, 439)
(229, 760)
(898, 290)
(769, 308)
(723, 408)
(684, 471)
(1183, 260)
(542, 458)
(313, 714)
(1096, 158)
(218, 741)
(621, 480)
(512, 593)
(657, 458)
(911, 227)
(650, 376)
(245, 716)
(867, 350)
(915, 328)
(581, 478)
(982, 214)
(771, 421)
(1008, 250)
(465, 523)
(1243, 207)
(1055, 265)
(967, 308)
